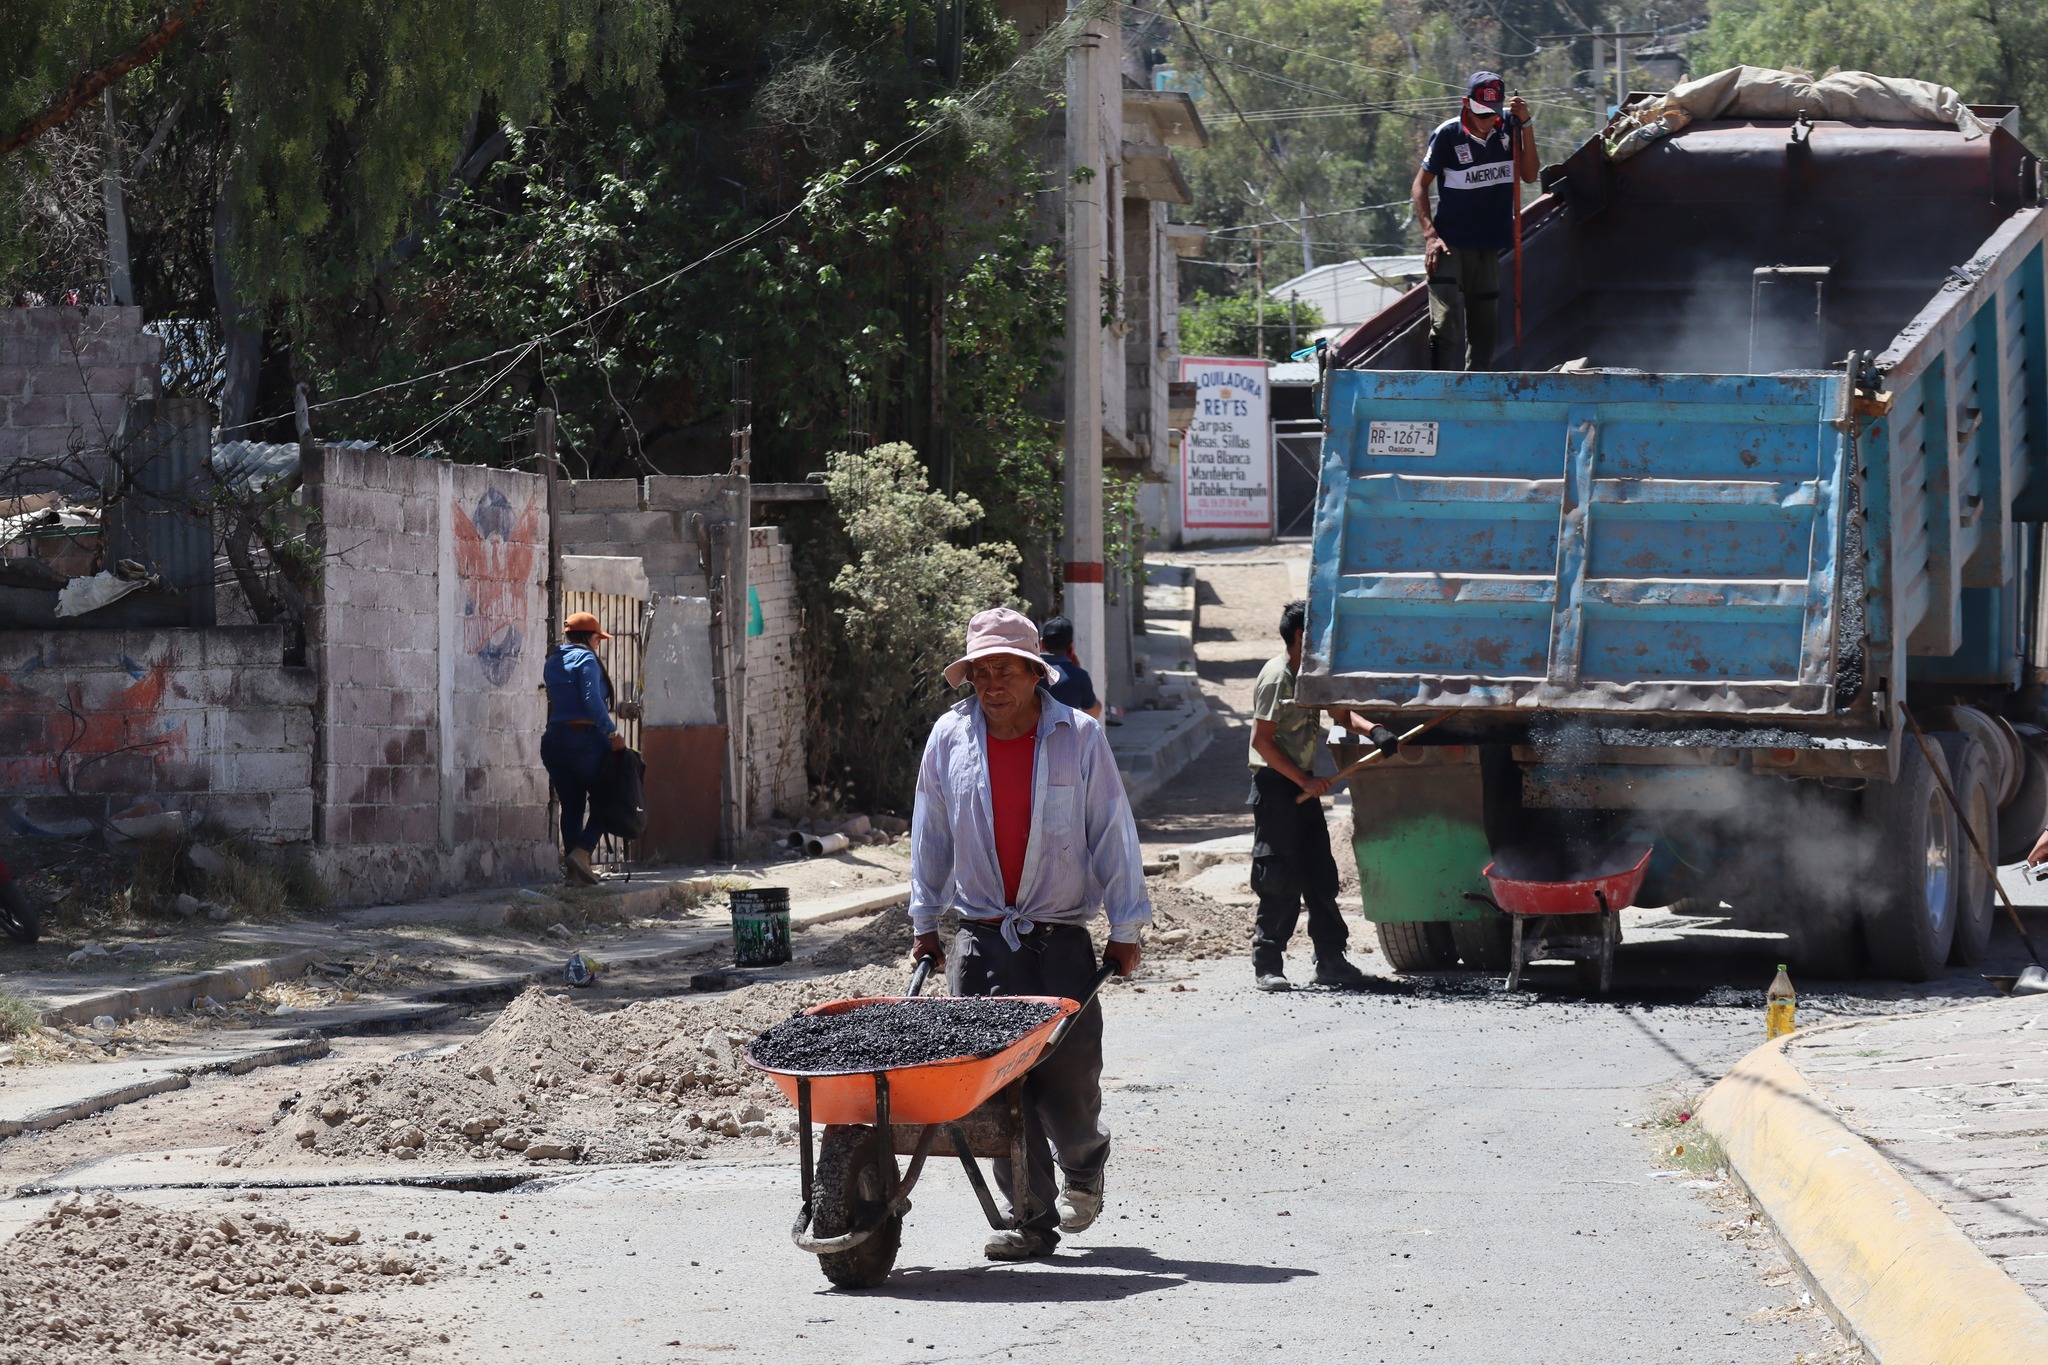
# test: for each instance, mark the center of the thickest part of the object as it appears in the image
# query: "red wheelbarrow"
(1578, 918)
(854, 1199)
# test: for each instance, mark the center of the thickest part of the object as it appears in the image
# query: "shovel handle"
(1351, 768)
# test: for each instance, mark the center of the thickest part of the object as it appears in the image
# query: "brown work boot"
(576, 867)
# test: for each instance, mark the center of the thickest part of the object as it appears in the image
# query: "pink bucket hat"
(999, 630)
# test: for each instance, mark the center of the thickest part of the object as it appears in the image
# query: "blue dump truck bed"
(1765, 471)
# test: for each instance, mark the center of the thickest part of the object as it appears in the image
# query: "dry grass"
(17, 1016)
(1682, 1144)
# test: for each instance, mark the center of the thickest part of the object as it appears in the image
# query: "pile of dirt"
(1188, 925)
(103, 1279)
(656, 1080)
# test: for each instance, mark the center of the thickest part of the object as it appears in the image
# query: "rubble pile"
(1189, 925)
(97, 1279)
(656, 1080)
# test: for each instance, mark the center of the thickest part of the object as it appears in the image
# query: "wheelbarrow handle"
(1095, 984)
(920, 975)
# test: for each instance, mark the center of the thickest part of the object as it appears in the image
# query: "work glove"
(1384, 740)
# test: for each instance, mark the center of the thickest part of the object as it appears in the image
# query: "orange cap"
(583, 621)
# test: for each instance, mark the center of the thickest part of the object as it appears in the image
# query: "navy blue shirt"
(576, 688)
(1074, 688)
(1475, 202)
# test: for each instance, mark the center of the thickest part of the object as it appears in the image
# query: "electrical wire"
(1457, 86)
(858, 176)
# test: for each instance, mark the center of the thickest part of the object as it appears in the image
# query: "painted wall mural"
(65, 726)
(494, 561)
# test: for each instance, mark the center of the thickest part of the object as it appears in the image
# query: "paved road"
(1365, 1177)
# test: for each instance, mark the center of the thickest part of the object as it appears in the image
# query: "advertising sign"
(1227, 452)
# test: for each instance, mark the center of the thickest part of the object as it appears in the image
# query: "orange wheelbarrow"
(854, 1198)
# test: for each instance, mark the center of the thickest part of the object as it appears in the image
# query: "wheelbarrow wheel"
(848, 1194)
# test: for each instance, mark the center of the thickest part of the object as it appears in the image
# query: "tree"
(334, 123)
(1229, 324)
(898, 610)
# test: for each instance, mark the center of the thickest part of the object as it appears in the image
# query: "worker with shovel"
(1291, 859)
(1478, 155)
(1022, 826)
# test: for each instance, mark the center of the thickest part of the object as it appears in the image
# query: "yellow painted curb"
(1894, 1269)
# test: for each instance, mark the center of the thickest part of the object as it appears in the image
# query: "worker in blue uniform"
(580, 733)
(1477, 157)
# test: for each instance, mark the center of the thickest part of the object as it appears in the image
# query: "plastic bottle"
(1779, 1003)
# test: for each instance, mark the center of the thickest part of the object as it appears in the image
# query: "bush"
(1228, 324)
(900, 603)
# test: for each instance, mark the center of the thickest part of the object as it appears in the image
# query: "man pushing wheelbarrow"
(1022, 825)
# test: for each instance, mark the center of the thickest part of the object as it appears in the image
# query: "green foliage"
(1229, 324)
(1340, 96)
(1991, 53)
(902, 599)
(17, 1016)
(339, 118)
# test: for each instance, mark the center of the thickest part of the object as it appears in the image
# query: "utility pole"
(1308, 255)
(1081, 539)
(544, 447)
(1259, 295)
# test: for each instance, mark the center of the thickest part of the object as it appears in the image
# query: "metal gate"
(1297, 461)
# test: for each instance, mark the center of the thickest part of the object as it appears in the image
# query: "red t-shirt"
(1009, 786)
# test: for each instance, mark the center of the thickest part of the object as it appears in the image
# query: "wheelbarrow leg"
(965, 1151)
(1515, 954)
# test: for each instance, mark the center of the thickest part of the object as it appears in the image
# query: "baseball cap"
(1486, 90)
(583, 621)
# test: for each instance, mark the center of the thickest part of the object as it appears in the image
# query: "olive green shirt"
(1296, 730)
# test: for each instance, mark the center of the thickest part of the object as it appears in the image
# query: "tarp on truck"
(1760, 92)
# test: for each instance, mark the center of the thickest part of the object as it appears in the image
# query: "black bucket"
(760, 926)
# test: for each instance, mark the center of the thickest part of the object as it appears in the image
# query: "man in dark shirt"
(1074, 688)
(1477, 156)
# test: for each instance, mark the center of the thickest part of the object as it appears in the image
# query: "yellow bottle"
(1779, 1002)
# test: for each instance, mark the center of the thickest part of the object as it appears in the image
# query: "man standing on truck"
(1291, 859)
(1022, 826)
(1477, 156)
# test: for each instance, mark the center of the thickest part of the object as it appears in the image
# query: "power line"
(1324, 57)
(860, 175)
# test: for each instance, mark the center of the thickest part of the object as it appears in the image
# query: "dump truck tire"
(1487, 943)
(1970, 775)
(1420, 947)
(1910, 923)
(2021, 820)
(848, 1190)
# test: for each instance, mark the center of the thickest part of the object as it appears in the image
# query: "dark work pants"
(1291, 864)
(1063, 1094)
(574, 757)
(1464, 310)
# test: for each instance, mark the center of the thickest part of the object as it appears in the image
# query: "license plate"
(1400, 438)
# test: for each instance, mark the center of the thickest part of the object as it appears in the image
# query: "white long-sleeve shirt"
(1083, 853)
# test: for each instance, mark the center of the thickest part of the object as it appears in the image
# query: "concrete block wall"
(428, 634)
(650, 519)
(208, 722)
(777, 777)
(66, 375)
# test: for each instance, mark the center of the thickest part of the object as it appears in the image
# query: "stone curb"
(1146, 774)
(175, 1078)
(231, 982)
(1884, 1260)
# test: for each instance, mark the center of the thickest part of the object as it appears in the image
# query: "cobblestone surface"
(1958, 1102)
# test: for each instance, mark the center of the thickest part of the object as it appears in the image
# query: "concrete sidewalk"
(1904, 1163)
